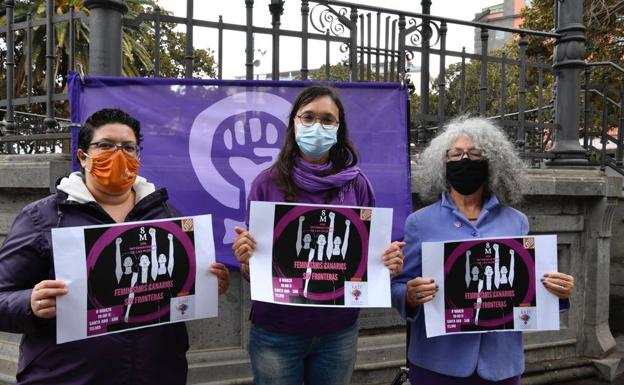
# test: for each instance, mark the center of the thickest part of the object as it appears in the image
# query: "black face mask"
(466, 176)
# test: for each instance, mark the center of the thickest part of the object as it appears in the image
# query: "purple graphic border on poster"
(111, 234)
(518, 248)
(297, 211)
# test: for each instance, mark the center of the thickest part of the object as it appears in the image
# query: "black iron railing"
(603, 115)
(30, 123)
(374, 43)
(30, 138)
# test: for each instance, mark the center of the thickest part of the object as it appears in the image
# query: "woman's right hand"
(43, 298)
(420, 290)
(243, 247)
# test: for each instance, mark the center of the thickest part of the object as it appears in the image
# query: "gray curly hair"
(506, 171)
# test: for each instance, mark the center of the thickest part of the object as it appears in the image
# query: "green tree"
(603, 22)
(605, 42)
(340, 72)
(138, 48)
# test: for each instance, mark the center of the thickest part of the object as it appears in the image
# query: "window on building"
(500, 35)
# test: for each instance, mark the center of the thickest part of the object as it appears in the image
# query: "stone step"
(225, 370)
(557, 371)
(8, 364)
(9, 353)
(9, 349)
(382, 372)
(6, 380)
(379, 359)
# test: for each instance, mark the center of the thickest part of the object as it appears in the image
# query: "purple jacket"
(295, 320)
(155, 355)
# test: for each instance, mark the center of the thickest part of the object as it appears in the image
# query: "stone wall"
(579, 206)
(576, 205)
(616, 308)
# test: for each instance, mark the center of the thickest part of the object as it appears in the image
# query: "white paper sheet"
(295, 264)
(490, 284)
(132, 275)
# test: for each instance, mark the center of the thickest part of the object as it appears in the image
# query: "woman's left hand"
(393, 257)
(559, 284)
(223, 276)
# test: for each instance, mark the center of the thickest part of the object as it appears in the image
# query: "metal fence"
(603, 116)
(375, 44)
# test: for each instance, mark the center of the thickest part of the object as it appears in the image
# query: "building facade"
(505, 14)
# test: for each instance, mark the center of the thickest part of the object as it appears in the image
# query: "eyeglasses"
(328, 122)
(455, 154)
(129, 148)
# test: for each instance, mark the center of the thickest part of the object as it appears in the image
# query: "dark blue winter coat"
(155, 355)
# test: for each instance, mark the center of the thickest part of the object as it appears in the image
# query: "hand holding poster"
(135, 274)
(317, 255)
(490, 285)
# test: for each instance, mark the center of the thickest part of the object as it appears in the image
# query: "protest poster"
(491, 284)
(134, 274)
(320, 255)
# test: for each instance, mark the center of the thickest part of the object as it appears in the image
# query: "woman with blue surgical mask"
(317, 164)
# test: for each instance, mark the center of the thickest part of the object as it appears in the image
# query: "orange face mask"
(114, 171)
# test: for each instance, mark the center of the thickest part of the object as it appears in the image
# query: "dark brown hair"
(341, 155)
(101, 118)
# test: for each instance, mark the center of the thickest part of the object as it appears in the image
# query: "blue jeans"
(283, 359)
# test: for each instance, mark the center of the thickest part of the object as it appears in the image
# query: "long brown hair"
(341, 155)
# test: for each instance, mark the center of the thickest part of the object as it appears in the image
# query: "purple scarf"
(309, 177)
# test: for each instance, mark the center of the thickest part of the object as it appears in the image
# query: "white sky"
(233, 11)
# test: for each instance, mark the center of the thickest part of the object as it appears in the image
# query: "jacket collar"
(77, 191)
(489, 204)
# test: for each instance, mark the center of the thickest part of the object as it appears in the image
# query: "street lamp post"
(568, 61)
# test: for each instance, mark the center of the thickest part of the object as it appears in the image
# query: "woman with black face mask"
(473, 174)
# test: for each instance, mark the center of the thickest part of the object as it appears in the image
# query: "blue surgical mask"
(314, 141)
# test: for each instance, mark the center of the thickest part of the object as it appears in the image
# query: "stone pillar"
(569, 60)
(105, 23)
(616, 299)
(579, 205)
(597, 340)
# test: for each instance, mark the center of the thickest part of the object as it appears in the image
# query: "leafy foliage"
(138, 48)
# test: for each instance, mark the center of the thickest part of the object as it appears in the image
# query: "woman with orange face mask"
(108, 190)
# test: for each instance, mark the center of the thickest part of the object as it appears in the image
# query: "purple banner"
(206, 140)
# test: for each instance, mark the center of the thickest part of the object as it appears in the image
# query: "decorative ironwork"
(324, 18)
(30, 136)
(374, 39)
(422, 33)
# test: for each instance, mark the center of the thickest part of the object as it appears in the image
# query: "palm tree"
(138, 46)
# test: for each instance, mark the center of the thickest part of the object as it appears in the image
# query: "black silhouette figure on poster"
(316, 251)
